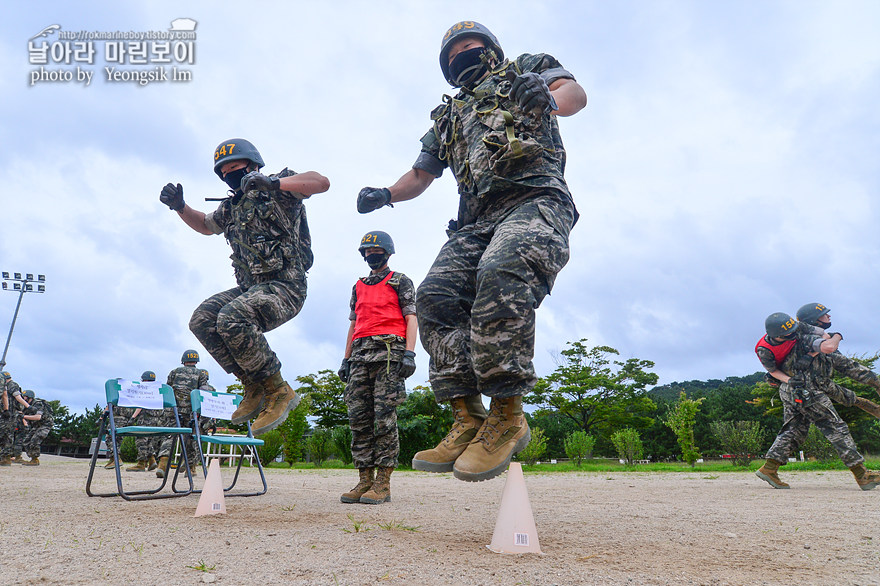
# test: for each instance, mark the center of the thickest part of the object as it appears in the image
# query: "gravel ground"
(594, 528)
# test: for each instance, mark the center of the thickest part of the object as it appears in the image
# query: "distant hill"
(671, 391)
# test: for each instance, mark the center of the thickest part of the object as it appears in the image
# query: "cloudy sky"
(724, 168)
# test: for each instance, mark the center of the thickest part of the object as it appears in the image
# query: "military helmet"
(811, 312)
(6, 374)
(148, 376)
(29, 394)
(780, 325)
(462, 29)
(190, 356)
(235, 149)
(377, 239)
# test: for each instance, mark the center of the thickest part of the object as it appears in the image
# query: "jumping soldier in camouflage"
(793, 347)
(39, 419)
(147, 446)
(182, 379)
(11, 428)
(476, 307)
(264, 222)
(379, 356)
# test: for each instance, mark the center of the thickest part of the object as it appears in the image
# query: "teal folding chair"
(220, 406)
(112, 389)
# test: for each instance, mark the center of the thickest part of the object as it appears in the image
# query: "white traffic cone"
(515, 530)
(212, 501)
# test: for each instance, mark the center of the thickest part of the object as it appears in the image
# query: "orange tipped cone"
(515, 530)
(212, 502)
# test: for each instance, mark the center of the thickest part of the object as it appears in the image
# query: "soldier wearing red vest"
(379, 356)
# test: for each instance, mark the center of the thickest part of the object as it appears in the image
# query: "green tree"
(292, 431)
(817, 446)
(556, 428)
(741, 439)
(341, 436)
(579, 446)
(272, 446)
(681, 419)
(535, 448)
(421, 423)
(325, 390)
(628, 445)
(596, 392)
(320, 445)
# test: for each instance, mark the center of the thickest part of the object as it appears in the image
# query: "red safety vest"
(377, 310)
(780, 351)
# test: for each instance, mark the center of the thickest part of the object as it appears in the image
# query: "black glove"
(531, 92)
(5, 414)
(344, 370)
(373, 198)
(832, 334)
(407, 364)
(172, 196)
(797, 381)
(258, 181)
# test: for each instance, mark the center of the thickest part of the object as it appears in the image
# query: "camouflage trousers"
(184, 411)
(7, 437)
(838, 393)
(34, 438)
(373, 392)
(476, 306)
(148, 446)
(230, 325)
(796, 425)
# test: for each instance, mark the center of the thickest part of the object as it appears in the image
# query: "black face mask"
(377, 260)
(233, 178)
(824, 325)
(468, 66)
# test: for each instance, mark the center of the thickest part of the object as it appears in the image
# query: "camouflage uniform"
(271, 252)
(37, 430)
(374, 388)
(148, 446)
(817, 408)
(8, 426)
(477, 304)
(182, 379)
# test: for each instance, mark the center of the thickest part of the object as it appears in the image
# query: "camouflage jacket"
(374, 348)
(184, 379)
(268, 233)
(44, 410)
(499, 154)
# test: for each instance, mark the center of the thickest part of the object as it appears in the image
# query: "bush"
(628, 445)
(681, 419)
(128, 449)
(741, 439)
(341, 436)
(535, 449)
(320, 445)
(579, 446)
(272, 446)
(817, 446)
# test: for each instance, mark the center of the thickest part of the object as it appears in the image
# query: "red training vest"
(377, 310)
(780, 351)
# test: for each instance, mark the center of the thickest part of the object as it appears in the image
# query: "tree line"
(593, 404)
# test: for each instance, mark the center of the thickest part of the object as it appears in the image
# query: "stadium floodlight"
(22, 286)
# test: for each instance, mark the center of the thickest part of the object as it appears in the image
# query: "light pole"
(22, 286)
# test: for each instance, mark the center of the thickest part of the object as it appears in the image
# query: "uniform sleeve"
(352, 316)
(851, 368)
(406, 295)
(428, 159)
(546, 65)
(768, 361)
(217, 220)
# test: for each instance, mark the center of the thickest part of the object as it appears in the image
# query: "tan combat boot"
(279, 400)
(251, 402)
(110, 464)
(6, 461)
(141, 466)
(18, 460)
(162, 468)
(355, 494)
(36, 462)
(468, 415)
(769, 471)
(867, 479)
(868, 406)
(151, 463)
(380, 492)
(504, 434)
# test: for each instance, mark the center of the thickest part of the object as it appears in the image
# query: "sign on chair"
(140, 394)
(217, 406)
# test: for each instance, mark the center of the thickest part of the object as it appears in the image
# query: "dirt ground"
(594, 528)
